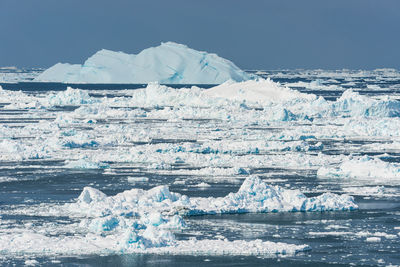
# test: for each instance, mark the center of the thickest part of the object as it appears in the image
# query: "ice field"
(299, 167)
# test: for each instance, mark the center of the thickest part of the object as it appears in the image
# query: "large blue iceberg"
(169, 63)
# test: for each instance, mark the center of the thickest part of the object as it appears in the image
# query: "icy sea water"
(52, 146)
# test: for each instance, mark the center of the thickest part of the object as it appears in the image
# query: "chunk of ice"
(365, 167)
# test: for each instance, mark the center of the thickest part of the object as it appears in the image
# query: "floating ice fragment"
(31, 262)
(253, 196)
(81, 144)
(373, 239)
(132, 179)
(238, 247)
(256, 196)
(202, 185)
(376, 234)
(362, 168)
(152, 240)
(85, 164)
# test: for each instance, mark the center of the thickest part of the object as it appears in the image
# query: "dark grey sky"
(254, 34)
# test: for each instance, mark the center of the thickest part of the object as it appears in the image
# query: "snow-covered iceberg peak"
(168, 63)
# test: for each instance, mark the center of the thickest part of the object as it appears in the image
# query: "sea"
(119, 137)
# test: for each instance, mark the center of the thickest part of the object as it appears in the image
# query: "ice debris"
(85, 164)
(169, 63)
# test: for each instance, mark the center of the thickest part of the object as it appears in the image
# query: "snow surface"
(169, 63)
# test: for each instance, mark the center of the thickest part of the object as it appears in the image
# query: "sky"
(254, 34)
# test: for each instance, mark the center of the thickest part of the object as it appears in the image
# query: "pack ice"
(169, 63)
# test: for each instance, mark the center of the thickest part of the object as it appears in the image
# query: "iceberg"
(169, 63)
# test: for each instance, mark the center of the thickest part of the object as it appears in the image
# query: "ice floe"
(253, 196)
(363, 168)
(31, 243)
(85, 164)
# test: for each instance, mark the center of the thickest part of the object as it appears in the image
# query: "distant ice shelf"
(169, 63)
